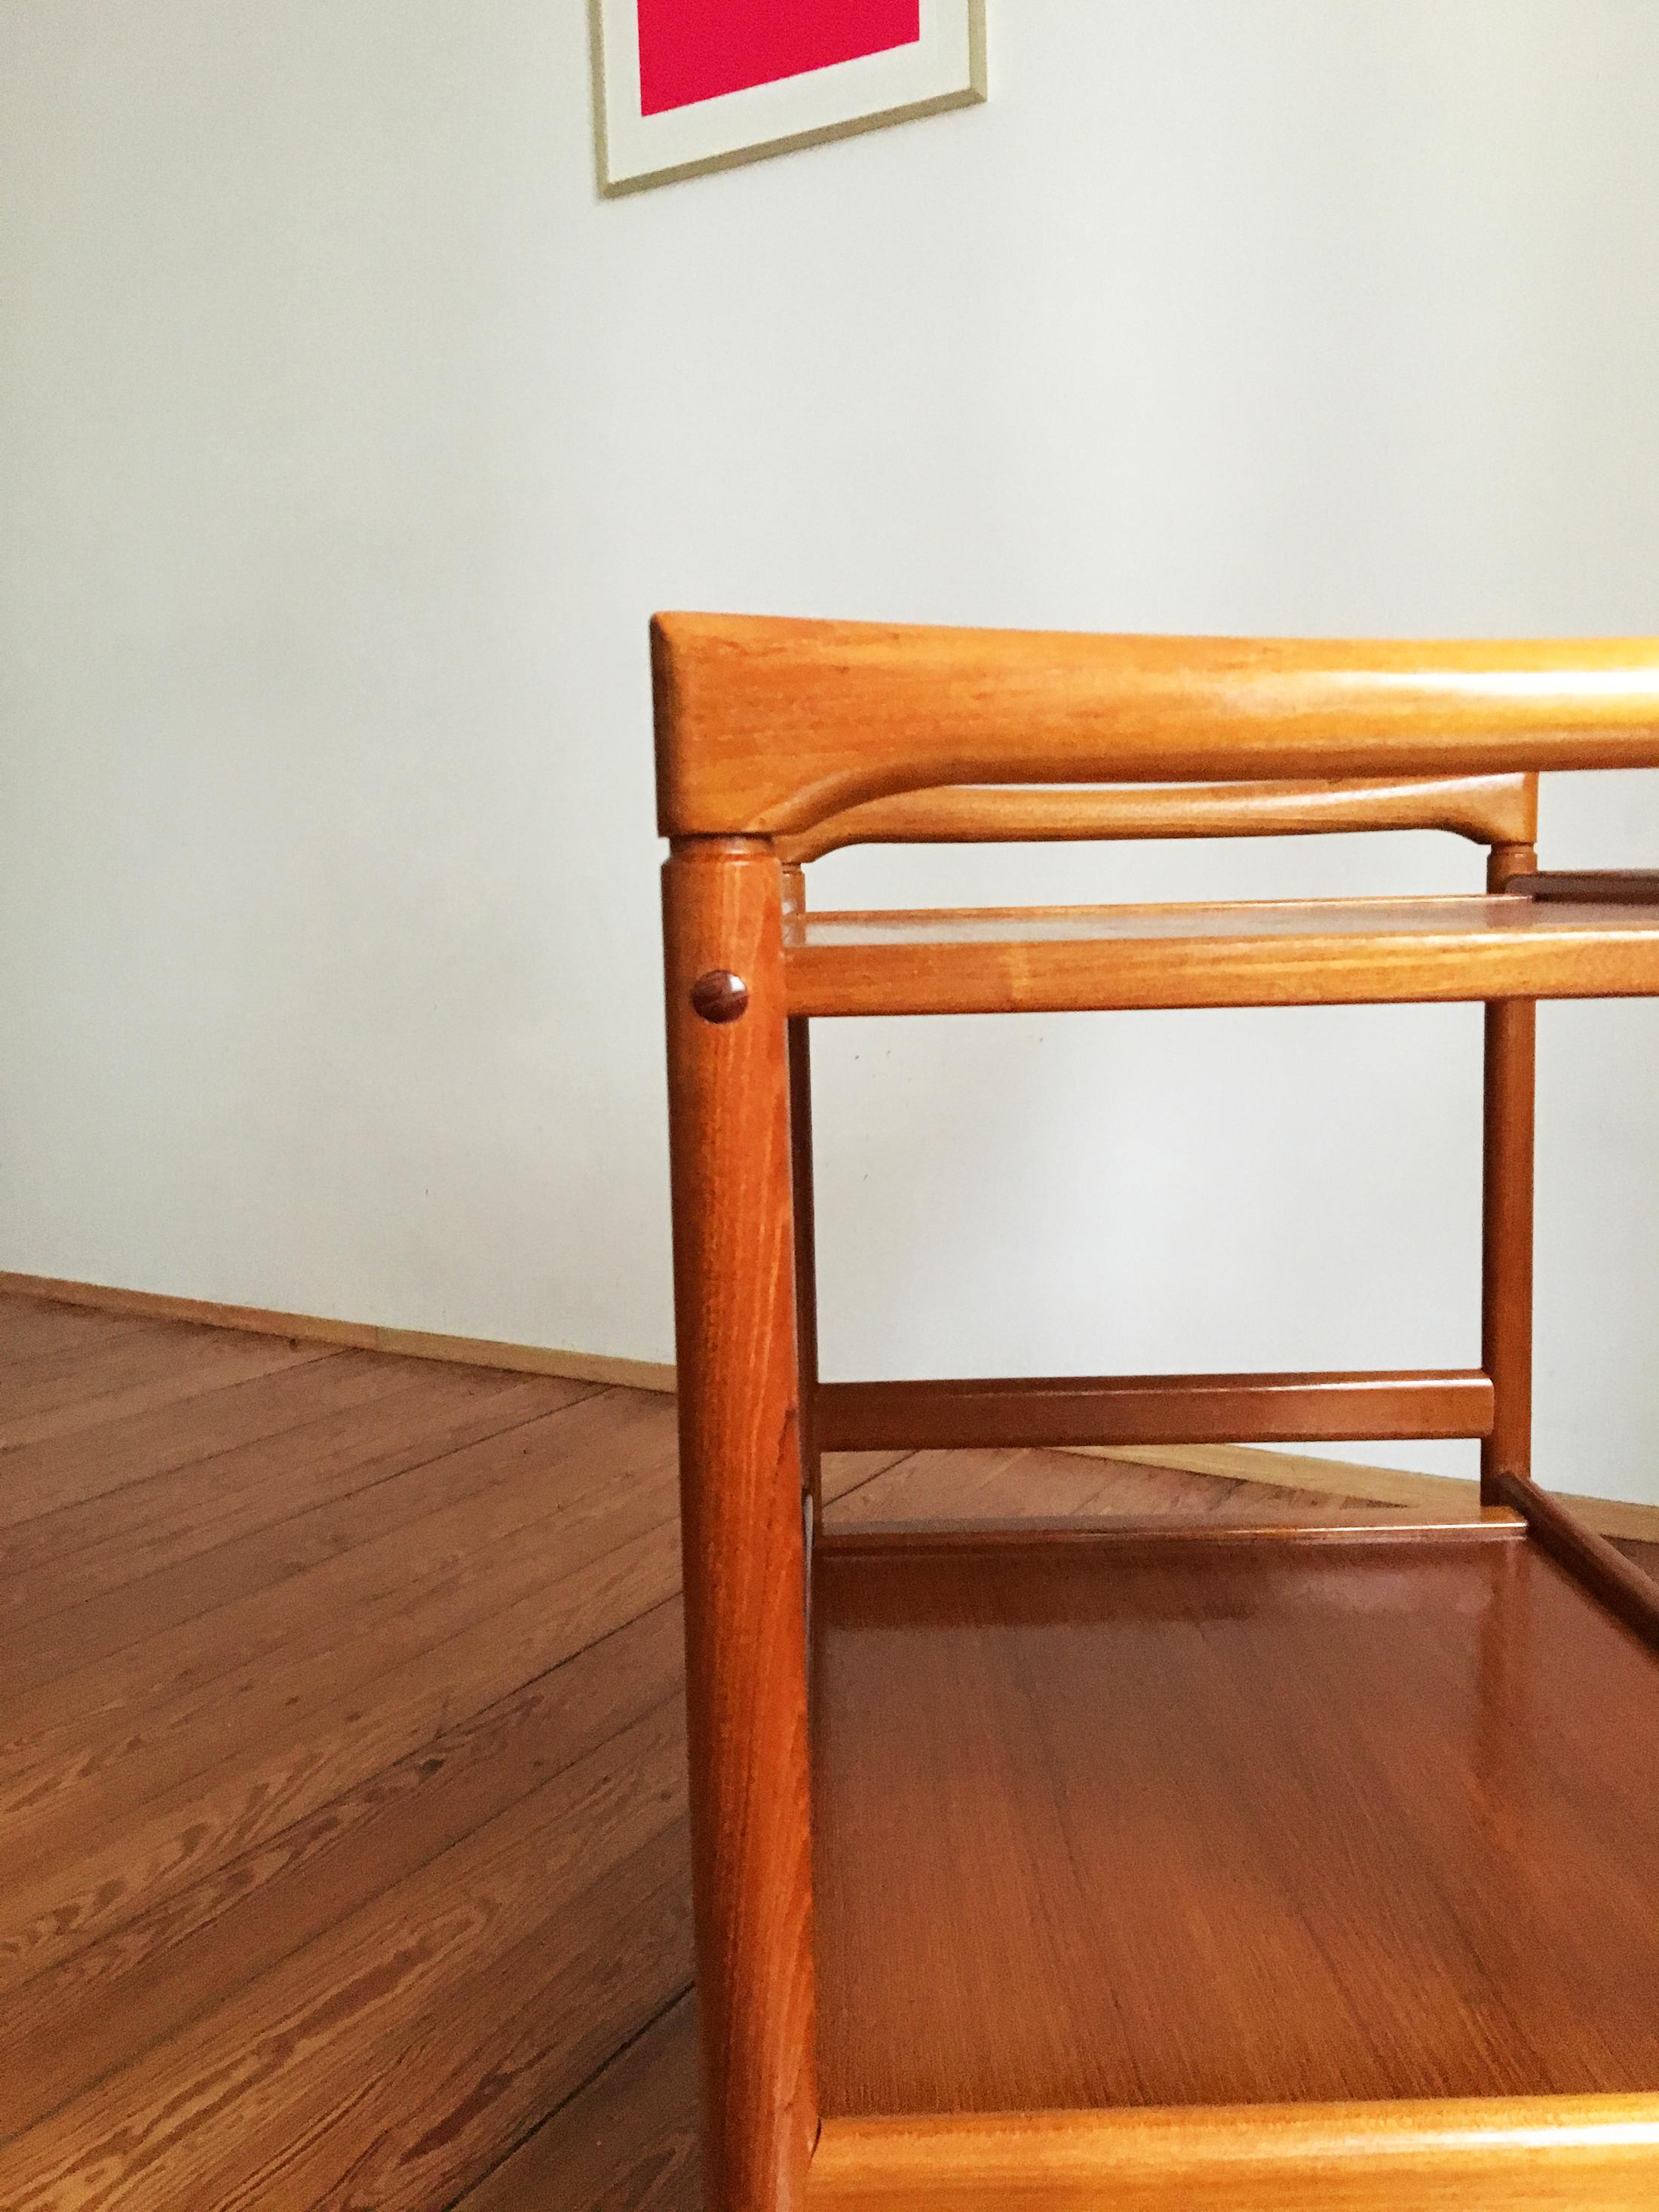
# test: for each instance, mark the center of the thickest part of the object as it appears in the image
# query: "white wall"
(349, 439)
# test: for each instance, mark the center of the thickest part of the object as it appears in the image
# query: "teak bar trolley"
(1108, 1868)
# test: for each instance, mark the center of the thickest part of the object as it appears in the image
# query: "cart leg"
(746, 1597)
(1506, 1257)
(807, 1263)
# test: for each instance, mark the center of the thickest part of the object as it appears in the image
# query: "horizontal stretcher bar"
(1303, 952)
(1153, 1409)
(1623, 886)
(1151, 1540)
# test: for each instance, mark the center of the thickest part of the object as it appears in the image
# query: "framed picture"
(681, 85)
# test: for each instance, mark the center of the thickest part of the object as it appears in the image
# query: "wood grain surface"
(1461, 2157)
(1491, 810)
(743, 1490)
(771, 725)
(1592, 1562)
(1252, 1823)
(1299, 952)
(420, 1938)
(1634, 886)
(1154, 1409)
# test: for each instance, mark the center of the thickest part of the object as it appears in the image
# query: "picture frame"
(683, 86)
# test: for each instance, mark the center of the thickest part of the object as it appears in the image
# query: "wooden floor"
(342, 1850)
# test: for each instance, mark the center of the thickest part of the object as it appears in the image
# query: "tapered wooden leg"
(806, 1261)
(745, 1595)
(1506, 1255)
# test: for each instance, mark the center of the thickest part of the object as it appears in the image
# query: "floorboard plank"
(114, 1387)
(27, 1320)
(65, 1890)
(998, 1483)
(386, 1423)
(627, 2141)
(168, 1356)
(415, 1991)
(73, 1471)
(62, 2031)
(240, 1567)
(520, 1504)
(845, 1472)
(587, 1978)
(35, 1330)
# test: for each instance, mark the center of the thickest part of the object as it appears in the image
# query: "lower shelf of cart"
(1237, 1847)
(1567, 2155)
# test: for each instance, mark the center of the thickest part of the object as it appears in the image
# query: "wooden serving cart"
(1112, 1867)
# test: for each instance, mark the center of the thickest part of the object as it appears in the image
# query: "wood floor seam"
(390, 1596)
(180, 2024)
(204, 1558)
(581, 2089)
(169, 1507)
(364, 1781)
(113, 1445)
(17, 1436)
(181, 1785)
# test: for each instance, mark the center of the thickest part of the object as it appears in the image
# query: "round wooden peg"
(720, 996)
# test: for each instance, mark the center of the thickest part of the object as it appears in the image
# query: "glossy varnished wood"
(1491, 810)
(770, 724)
(1107, 1822)
(1508, 1119)
(1592, 1561)
(260, 1989)
(1305, 952)
(1153, 1409)
(803, 1200)
(1113, 1540)
(1579, 2154)
(1253, 1822)
(1628, 886)
(742, 1508)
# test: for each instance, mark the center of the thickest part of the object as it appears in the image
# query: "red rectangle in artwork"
(693, 50)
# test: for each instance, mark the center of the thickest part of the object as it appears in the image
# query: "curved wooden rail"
(766, 726)
(1491, 810)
